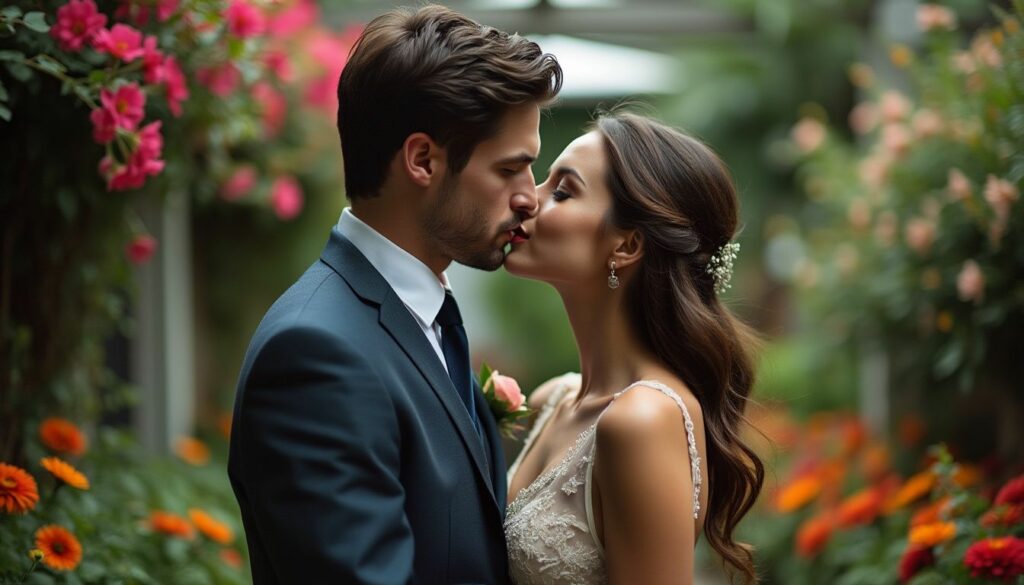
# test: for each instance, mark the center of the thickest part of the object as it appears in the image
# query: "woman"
(629, 461)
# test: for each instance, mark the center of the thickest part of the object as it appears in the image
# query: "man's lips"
(518, 235)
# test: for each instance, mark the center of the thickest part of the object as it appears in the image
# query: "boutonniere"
(505, 399)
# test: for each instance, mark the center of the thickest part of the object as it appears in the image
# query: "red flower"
(1012, 492)
(141, 248)
(221, 80)
(813, 535)
(299, 16)
(1003, 515)
(152, 62)
(124, 107)
(143, 162)
(174, 81)
(861, 508)
(273, 105)
(286, 197)
(78, 21)
(121, 42)
(278, 63)
(996, 558)
(245, 20)
(915, 559)
(239, 183)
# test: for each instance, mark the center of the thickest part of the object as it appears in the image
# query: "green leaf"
(16, 56)
(3, 92)
(950, 358)
(37, 22)
(18, 71)
(5, 113)
(10, 12)
(50, 64)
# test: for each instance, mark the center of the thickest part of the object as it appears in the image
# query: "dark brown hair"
(432, 70)
(680, 197)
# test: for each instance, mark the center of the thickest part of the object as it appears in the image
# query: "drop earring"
(613, 281)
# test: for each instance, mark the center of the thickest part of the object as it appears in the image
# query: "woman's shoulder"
(649, 411)
(543, 393)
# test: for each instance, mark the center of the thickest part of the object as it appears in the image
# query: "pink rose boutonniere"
(507, 402)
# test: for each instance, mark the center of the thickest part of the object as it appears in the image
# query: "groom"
(362, 449)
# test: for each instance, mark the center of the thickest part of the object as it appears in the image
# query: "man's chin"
(487, 261)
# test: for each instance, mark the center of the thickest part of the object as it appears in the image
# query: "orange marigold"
(210, 527)
(170, 524)
(65, 472)
(931, 513)
(967, 475)
(18, 490)
(798, 494)
(192, 451)
(813, 535)
(861, 508)
(996, 558)
(62, 436)
(929, 535)
(61, 550)
(915, 488)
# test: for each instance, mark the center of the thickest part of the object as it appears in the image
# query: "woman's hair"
(676, 192)
(430, 69)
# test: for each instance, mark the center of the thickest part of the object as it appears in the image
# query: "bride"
(629, 462)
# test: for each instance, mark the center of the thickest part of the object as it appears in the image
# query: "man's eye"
(559, 195)
(509, 172)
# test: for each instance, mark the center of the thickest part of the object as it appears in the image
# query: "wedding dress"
(550, 525)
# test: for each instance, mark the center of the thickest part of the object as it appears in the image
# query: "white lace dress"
(550, 525)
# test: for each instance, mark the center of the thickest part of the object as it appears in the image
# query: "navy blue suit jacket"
(353, 458)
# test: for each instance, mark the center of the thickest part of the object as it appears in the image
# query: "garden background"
(168, 167)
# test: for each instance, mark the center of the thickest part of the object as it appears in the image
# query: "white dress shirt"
(412, 280)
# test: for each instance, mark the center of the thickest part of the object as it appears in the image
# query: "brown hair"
(680, 197)
(432, 70)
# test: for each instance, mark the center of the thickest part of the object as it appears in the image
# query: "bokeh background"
(169, 167)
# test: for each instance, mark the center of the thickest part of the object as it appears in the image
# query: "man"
(362, 449)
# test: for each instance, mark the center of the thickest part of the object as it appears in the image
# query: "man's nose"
(526, 201)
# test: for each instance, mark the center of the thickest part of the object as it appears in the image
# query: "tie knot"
(449, 314)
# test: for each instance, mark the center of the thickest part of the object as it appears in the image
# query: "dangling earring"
(613, 281)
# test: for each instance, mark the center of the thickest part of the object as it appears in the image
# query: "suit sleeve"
(320, 460)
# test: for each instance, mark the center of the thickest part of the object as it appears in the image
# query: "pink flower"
(933, 16)
(239, 183)
(321, 93)
(970, 283)
(808, 134)
(121, 42)
(964, 62)
(104, 125)
(273, 105)
(141, 249)
(1000, 194)
(277, 62)
(896, 139)
(286, 197)
(985, 51)
(299, 16)
(174, 81)
(894, 106)
(127, 104)
(165, 9)
(152, 62)
(244, 20)
(927, 123)
(863, 118)
(959, 187)
(874, 170)
(859, 214)
(507, 390)
(143, 162)
(221, 80)
(78, 21)
(920, 235)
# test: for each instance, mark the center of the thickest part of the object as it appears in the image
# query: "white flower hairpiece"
(720, 266)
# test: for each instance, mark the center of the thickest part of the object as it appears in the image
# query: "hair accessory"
(720, 266)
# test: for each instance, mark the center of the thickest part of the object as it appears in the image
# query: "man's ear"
(629, 250)
(422, 159)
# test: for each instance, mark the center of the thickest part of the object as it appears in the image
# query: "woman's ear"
(422, 159)
(629, 250)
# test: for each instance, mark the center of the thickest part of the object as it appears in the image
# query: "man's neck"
(401, 228)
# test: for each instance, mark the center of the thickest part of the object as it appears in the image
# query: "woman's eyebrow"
(563, 170)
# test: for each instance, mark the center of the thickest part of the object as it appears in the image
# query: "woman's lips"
(518, 236)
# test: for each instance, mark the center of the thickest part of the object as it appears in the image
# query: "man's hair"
(432, 70)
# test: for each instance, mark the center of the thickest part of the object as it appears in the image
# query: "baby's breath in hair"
(720, 266)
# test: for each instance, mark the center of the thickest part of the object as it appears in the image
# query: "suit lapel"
(396, 319)
(496, 448)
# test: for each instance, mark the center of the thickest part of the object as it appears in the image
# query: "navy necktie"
(455, 347)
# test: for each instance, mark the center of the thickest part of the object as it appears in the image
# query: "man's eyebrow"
(568, 171)
(516, 159)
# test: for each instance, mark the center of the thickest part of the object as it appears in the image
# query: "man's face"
(475, 213)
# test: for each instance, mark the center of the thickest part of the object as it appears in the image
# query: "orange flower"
(224, 424)
(192, 451)
(210, 527)
(929, 535)
(61, 550)
(231, 558)
(813, 535)
(65, 472)
(912, 490)
(861, 508)
(170, 524)
(798, 494)
(62, 436)
(18, 490)
(875, 461)
(931, 513)
(967, 475)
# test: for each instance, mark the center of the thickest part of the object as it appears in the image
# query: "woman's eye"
(559, 195)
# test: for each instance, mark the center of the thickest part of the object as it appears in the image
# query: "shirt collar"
(412, 280)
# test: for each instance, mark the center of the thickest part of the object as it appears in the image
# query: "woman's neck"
(611, 354)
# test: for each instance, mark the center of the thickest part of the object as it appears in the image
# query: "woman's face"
(570, 239)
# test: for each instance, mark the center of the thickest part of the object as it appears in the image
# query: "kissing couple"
(363, 450)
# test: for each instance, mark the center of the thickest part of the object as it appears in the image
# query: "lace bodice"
(550, 524)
